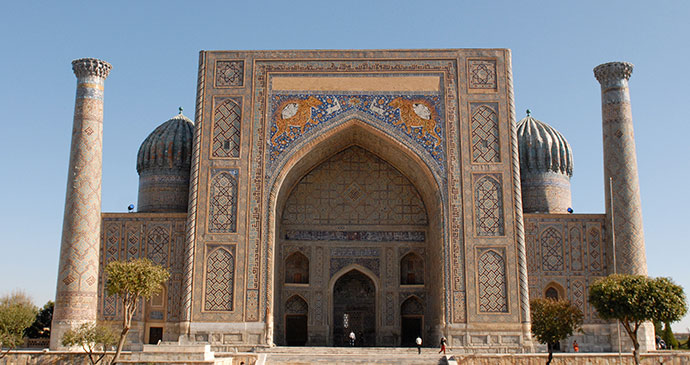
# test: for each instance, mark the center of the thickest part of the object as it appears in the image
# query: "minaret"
(76, 300)
(620, 163)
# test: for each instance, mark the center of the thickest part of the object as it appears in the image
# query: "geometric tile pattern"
(226, 129)
(158, 239)
(229, 73)
(354, 187)
(548, 250)
(488, 203)
(220, 273)
(576, 262)
(296, 305)
(492, 282)
(482, 74)
(594, 238)
(551, 250)
(485, 143)
(222, 209)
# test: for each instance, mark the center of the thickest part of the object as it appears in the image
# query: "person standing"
(443, 346)
(418, 341)
(576, 347)
(352, 338)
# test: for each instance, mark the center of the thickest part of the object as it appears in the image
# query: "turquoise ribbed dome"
(542, 148)
(168, 147)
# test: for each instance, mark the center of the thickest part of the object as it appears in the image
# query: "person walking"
(352, 338)
(443, 346)
(418, 341)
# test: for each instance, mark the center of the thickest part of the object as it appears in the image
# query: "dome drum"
(545, 192)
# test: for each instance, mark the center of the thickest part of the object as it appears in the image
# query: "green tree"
(43, 320)
(553, 321)
(668, 337)
(94, 339)
(131, 280)
(635, 299)
(17, 312)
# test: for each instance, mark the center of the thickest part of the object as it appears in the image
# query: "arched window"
(551, 293)
(297, 269)
(411, 269)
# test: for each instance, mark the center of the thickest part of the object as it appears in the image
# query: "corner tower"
(76, 300)
(620, 163)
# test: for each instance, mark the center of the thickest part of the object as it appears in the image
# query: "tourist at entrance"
(418, 341)
(576, 347)
(443, 346)
(352, 338)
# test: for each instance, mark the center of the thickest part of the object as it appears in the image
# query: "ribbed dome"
(168, 146)
(542, 148)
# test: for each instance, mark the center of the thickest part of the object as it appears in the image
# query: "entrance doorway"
(296, 330)
(155, 335)
(354, 310)
(411, 328)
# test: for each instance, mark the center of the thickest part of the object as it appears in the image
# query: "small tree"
(130, 281)
(635, 299)
(92, 338)
(553, 321)
(43, 320)
(17, 311)
(668, 337)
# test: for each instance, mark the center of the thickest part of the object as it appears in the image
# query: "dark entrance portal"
(354, 309)
(411, 328)
(296, 330)
(155, 335)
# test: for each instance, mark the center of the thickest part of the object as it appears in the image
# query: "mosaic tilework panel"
(296, 305)
(488, 205)
(338, 263)
(486, 147)
(229, 73)
(355, 187)
(222, 211)
(219, 282)
(551, 249)
(481, 74)
(366, 236)
(491, 274)
(418, 117)
(567, 251)
(130, 237)
(227, 119)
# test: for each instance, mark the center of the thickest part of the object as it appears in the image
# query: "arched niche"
(411, 269)
(297, 269)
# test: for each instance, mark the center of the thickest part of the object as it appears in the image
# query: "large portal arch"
(381, 250)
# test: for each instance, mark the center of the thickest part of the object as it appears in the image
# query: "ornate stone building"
(387, 193)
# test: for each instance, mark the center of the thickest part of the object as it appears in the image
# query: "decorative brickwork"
(296, 305)
(229, 73)
(222, 209)
(220, 280)
(485, 134)
(481, 74)
(492, 290)
(488, 205)
(551, 250)
(227, 118)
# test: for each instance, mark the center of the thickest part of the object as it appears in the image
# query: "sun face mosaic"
(419, 117)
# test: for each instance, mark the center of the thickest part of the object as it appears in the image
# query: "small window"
(411, 269)
(551, 293)
(297, 269)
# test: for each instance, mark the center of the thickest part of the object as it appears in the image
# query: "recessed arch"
(318, 148)
(411, 269)
(297, 268)
(354, 297)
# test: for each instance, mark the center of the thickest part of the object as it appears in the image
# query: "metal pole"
(615, 268)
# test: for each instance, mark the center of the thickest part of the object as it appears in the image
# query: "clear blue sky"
(153, 47)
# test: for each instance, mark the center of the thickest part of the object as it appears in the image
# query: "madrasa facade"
(389, 193)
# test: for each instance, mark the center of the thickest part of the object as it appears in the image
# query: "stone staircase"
(349, 355)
